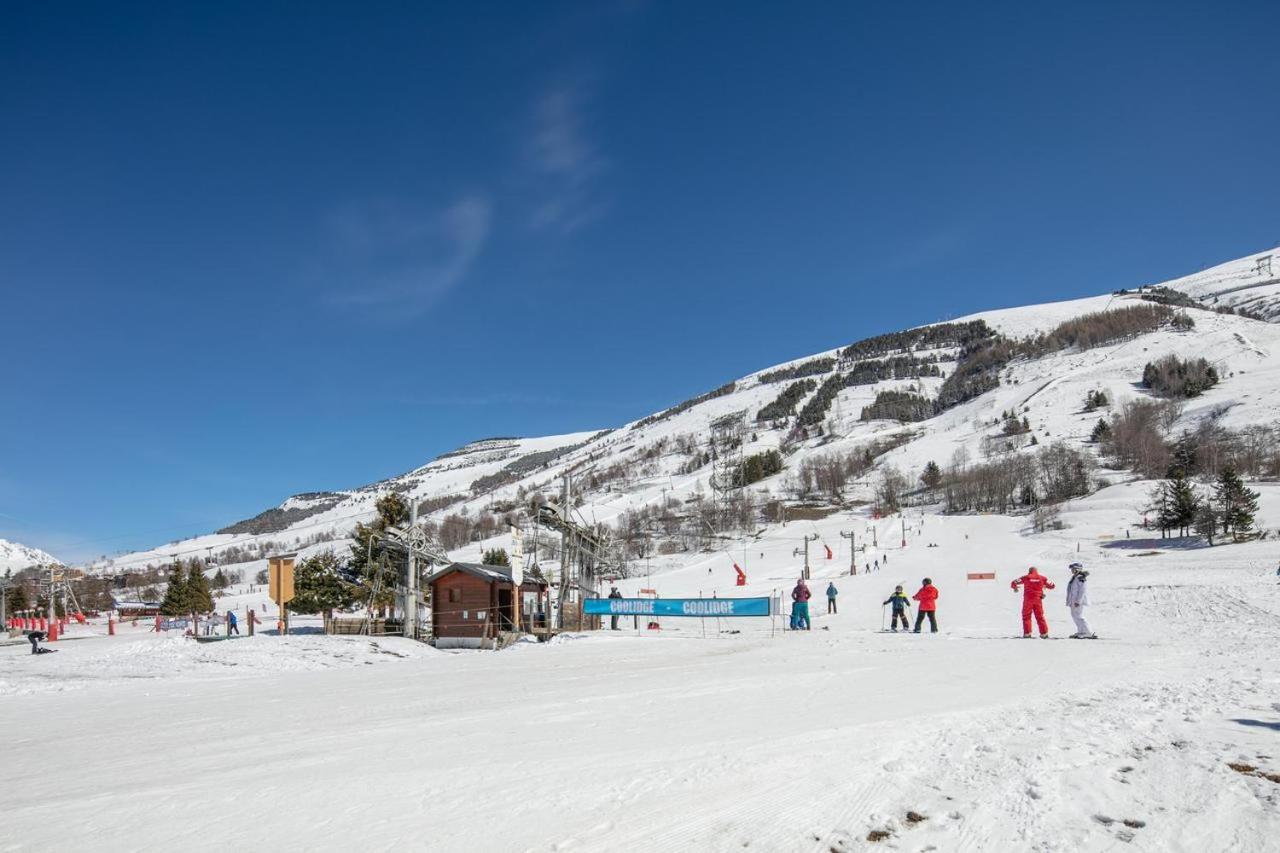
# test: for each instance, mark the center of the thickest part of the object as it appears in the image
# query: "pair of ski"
(1047, 637)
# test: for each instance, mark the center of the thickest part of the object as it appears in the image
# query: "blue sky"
(250, 249)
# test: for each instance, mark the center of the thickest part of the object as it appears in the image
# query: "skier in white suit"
(1078, 600)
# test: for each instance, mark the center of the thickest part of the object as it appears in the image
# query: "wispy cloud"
(389, 256)
(496, 398)
(565, 162)
(932, 247)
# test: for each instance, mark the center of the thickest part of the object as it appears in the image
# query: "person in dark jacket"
(832, 592)
(800, 608)
(233, 625)
(613, 620)
(901, 605)
(928, 598)
(35, 637)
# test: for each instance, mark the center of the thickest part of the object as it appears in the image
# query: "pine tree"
(496, 557)
(1101, 431)
(175, 595)
(1237, 502)
(1184, 504)
(199, 598)
(1185, 456)
(220, 580)
(1206, 523)
(932, 476)
(16, 595)
(371, 558)
(1161, 505)
(319, 587)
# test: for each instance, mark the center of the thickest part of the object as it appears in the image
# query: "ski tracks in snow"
(1131, 766)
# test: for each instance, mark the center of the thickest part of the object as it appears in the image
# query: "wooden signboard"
(280, 577)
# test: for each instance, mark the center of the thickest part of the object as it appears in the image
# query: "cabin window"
(455, 594)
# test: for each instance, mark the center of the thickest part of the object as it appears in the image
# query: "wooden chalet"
(474, 605)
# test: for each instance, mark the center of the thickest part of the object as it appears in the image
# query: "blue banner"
(676, 607)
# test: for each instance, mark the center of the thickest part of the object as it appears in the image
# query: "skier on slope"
(832, 592)
(901, 606)
(800, 608)
(928, 598)
(1077, 601)
(1033, 586)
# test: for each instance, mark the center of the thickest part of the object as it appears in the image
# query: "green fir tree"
(1238, 504)
(1184, 503)
(199, 598)
(1206, 522)
(175, 594)
(320, 588)
(373, 557)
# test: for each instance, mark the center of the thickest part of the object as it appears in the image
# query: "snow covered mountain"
(15, 556)
(1250, 284)
(897, 401)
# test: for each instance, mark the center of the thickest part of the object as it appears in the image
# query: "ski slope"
(806, 741)
(1049, 391)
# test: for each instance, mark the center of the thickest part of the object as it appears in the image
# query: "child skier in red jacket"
(1033, 586)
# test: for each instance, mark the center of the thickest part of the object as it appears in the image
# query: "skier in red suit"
(1033, 586)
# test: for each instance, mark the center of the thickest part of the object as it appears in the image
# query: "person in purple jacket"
(800, 608)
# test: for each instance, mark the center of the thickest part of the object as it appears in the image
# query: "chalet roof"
(492, 574)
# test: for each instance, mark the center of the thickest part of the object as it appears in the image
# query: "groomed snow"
(667, 741)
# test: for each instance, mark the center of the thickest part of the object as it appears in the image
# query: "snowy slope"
(1251, 284)
(15, 556)
(1051, 389)
(642, 741)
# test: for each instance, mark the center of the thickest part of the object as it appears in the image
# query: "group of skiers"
(900, 604)
(1032, 584)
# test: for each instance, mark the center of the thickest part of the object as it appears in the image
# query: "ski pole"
(883, 609)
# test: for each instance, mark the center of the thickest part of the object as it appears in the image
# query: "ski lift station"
(474, 606)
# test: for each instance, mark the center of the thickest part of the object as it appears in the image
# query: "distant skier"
(233, 625)
(1077, 601)
(1033, 586)
(800, 608)
(613, 620)
(901, 604)
(928, 598)
(832, 592)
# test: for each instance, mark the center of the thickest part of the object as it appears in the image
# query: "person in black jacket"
(613, 620)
